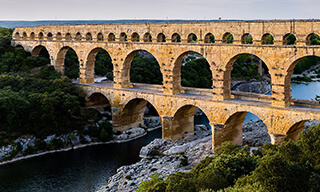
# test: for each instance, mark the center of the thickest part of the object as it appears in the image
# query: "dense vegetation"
(41, 102)
(290, 167)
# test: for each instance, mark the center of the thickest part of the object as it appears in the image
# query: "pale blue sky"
(160, 9)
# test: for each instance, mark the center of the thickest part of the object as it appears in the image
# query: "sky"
(159, 9)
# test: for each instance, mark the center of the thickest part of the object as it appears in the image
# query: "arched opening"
(267, 39)
(100, 103)
(68, 37)
(176, 38)
(313, 39)
(185, 121)
(32, 35)
(144, 68)
(99, 37)
(59, 36)
(243, 128)
(49, 36)
(88, 37)
(123, 36)
(209, 38)
(24, 35)
(227, 38)
(249, 74)
(43, 55)
(78, 36)
(303, 77)
(67, 62)
(111, 37)
(99, 66)
(147, 37)
(246, 39)
(135, 37)
(289, 39)
(299, 127)
(161, 37)
(137, 113)
(40, 35)
(191, 69)
(192, 38)
(17, 35)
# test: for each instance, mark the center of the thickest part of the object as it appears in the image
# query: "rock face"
(253, 86)
(255, 133)
(163, 157)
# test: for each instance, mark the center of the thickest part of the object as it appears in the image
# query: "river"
(80, 170)
(86, 169)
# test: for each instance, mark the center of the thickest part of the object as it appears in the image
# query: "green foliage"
(314, 39)
(196, 73)
(290, 39)
(49, 73)
(211, 39)
(6, 32)
(40, 107)
(289, 167)
(156, 184)
(71, 64)
(246, 66)
(16, 59)
(249, 39)
(305, 64)
(230, 38)
(309, 142)
(103, 65)
(145, 69)
(269, 39)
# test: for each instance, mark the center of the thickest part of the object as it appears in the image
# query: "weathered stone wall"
(177, 111)
(176, 105)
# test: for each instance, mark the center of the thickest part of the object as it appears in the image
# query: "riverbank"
(167, 157)
(74, 143)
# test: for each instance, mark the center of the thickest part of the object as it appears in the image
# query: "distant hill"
(12, 24)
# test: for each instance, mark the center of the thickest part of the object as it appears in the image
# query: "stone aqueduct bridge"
(176, 105)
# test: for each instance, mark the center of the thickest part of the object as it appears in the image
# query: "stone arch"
(125, 71)
(267, 39)
(228, 68)
(192, 38)
(97, 98)
(24, 36)
(176, 81)
(246, 38)
(147, 37)
(161, 37)
(68, 37)
(312, 39)
(88, 37)
(36, 50)
(290, 70)
(135, 37)
(289, 39)
(49, 36)
(209, 38)
(132, 114)
(123, 36)
(111, 37)
(90, 63)
(227, 38)
(32, 35)
(59, 64)
(176, 38)
(59, 36)
(100, 37)
(17, 35)
(40, 36)
(182, 122)
(78, 36)
(296, 128)
(232, 129)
